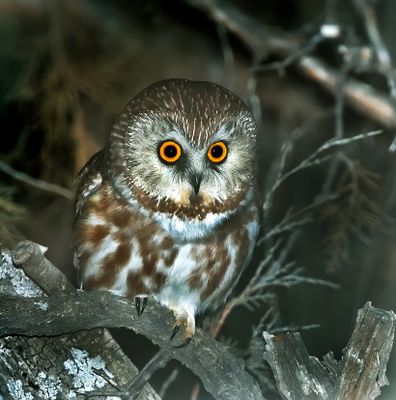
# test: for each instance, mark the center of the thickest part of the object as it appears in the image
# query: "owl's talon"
(185, 343)
(140, 304)
(184, 327)
(186, 338)
(175, 330)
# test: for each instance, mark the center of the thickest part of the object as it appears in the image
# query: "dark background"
(67, 68)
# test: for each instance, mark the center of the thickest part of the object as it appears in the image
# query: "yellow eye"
(217, 152)
(170, 151)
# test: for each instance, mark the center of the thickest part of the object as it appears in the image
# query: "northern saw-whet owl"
(168, 208)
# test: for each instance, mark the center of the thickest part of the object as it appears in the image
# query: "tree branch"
(95, 360)
(221, 374)
(86, 310)
(366, 355)
(361, 373)
(263, 40)
(36, 183)
(132, 390)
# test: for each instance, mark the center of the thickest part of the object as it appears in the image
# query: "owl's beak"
(195, 180)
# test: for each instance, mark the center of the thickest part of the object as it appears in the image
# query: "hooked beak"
(195, 180)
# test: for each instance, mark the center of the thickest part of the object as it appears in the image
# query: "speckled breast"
(124, 250)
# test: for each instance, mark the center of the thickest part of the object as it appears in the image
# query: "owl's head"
(185, 147)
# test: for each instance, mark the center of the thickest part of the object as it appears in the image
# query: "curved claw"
(185, 343)
(184, 327)
(175, 330)
(140, 304)
(187, 339)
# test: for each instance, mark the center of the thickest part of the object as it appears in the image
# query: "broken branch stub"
(359, 375)
(365, 358)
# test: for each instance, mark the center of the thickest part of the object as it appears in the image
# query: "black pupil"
(216, 151)
(170, 151)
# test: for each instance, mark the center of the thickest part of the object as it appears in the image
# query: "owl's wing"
(89, 180)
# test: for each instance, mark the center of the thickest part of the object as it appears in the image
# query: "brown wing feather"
(89, 179)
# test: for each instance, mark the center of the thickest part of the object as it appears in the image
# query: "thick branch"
(24, 360)
(221, 374)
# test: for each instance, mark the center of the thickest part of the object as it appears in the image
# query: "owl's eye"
(217, 152)
(170, 151)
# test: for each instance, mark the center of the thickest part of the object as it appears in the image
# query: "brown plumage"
(179, 230)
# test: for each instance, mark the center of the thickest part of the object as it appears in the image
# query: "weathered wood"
(25, 310)
(29, 256)
(366, 355)
(298, 375)
(34, 367)
(359, 375)
(221, 373)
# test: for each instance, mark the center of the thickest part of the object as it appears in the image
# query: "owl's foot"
(187, 340)
(140, 303)
(184, 327)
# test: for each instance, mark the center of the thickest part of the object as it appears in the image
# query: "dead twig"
(273, 271)
(160, 359)
(312, 160)
(133, 389)
(171, 378)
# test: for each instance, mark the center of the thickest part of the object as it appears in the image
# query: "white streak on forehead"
(193, 131)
